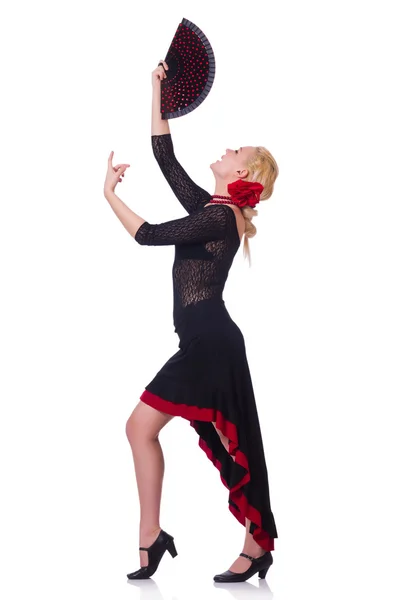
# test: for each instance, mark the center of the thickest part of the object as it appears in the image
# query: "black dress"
(208, 379)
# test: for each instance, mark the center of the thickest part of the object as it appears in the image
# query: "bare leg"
(142, 429)
(251, 547)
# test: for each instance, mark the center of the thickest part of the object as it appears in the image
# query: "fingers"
(162, 69)
(119, 170)
(119, 166)
(159, 73)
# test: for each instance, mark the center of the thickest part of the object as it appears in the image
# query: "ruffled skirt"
(208, 381)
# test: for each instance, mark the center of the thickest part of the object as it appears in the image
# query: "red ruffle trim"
(229, 430)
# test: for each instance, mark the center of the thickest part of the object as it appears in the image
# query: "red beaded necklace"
(224, 200)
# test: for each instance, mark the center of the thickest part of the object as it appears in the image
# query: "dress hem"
(229, 430)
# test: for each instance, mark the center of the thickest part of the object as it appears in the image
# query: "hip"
(210, 321)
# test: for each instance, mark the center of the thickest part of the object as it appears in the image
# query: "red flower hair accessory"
(245, 193)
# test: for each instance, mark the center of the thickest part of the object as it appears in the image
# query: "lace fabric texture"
(205, 241)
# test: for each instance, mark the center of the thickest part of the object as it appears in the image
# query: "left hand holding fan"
(114, 174)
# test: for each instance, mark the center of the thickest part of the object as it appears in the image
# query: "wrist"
(108, 192)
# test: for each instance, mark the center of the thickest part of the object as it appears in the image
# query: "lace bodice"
(205, 241)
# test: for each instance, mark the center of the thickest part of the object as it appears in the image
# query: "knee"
(130, 429)
(137, 430)
(133, 429)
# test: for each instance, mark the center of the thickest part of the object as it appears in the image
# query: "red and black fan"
(191, 72)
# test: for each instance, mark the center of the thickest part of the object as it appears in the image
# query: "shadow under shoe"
(163, 542)
(259, 565)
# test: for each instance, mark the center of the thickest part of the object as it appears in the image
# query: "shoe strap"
(142, 548)
(246, 556)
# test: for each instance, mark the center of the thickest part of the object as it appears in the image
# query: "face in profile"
(233, 164)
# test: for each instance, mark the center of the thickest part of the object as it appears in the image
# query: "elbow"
(141, 240)
(162, 148)
(141, 236)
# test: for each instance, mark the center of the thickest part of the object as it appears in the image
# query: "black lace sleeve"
(189, 194)
(203, 226)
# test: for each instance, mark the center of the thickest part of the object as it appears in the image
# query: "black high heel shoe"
(259, 565)
(155, 554)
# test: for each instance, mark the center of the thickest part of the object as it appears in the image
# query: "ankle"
(145, 530)
(254, 550)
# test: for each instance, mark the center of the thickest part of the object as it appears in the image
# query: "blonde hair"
(261, 167)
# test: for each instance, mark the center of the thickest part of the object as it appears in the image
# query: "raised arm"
(203, 226)
(189, 194)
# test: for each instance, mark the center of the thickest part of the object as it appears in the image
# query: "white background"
(86, 313)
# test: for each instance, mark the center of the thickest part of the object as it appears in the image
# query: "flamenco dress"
(208, 379)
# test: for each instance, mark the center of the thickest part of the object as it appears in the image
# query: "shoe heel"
(171, 548)
(263, 572)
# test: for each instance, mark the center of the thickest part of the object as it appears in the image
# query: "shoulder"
(225, 215)
(223, 209)
(215, 209)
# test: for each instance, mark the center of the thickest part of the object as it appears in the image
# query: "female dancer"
(207, 381)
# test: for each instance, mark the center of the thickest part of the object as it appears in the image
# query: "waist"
(201, 317)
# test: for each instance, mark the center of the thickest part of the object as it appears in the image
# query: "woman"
(207, 381)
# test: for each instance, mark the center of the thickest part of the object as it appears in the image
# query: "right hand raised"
(159, 74)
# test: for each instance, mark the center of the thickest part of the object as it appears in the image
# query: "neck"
(221, 189)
